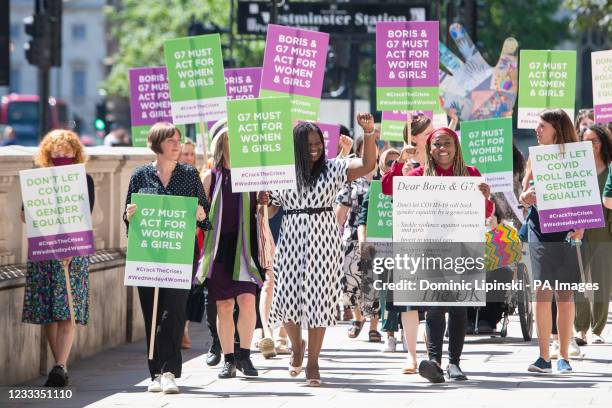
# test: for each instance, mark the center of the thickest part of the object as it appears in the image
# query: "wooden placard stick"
(153, 324)
(66, 267)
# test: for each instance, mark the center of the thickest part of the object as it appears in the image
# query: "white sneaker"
(390, 345)
(155, 385)
(554, 350)
(597, 339)
(574, 349)
(168, 384)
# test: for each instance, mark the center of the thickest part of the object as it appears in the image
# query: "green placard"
(487, 144)
(261, 133)
(547, 79)
(162, 230)
(379, 225)
(261, 144)
(195, 78)
(195, 67)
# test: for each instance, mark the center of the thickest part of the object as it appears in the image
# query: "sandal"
(282, 346)
(375, 336)
(266, 347)
(355, 328)
(313, 382)
(410, 368)
(294, 371)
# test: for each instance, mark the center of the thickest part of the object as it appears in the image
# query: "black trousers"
(211, 317)
(170, 324)
(435, 325)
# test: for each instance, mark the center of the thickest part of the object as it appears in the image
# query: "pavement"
(354, 372)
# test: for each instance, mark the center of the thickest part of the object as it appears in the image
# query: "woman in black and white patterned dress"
(308, 259)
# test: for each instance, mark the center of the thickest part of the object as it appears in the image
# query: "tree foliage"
(591, 14)
(535, 24)
(140, 27)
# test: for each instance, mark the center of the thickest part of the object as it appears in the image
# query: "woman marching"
(444, 158)
(552, 258)
(308, 258)
(165, 176)
(45, 298)
(229, 265)
(349, 202)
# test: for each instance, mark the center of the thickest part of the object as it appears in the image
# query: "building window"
(15, 80)
(78, 31)
(79, 83)
(15, 31)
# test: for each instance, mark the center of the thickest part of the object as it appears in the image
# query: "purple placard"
(409, 50)
(242, 83)
(403, 115)
(294, 61)
(61, 246)
(331, 134)
(565, 219)
(149, 96)
(603, 113)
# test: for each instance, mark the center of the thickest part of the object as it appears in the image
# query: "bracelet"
(369, 133)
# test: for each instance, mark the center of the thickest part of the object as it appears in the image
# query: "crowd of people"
(274, 263)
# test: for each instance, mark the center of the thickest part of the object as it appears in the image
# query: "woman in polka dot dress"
(308, 259)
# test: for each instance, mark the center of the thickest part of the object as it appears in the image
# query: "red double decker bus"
(21, 113)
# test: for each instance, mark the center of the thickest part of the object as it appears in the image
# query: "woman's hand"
(200, 213)
(366, 121)
(130, 210)
(346, 143)
(577, 235)
(485, 190)
(528, 197)
(407, 153)
(263, 198)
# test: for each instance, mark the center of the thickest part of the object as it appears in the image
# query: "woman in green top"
(598, 254)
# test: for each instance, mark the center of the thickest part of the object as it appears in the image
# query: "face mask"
(62, 161)
(380, 144)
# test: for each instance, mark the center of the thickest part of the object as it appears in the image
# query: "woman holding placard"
(166, 176)
(552, 258)
(598, 254)
(46, 297)
(308, 258)
(230, 264)
(443, 158)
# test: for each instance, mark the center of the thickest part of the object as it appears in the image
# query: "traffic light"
(44, 50)
(53, 8)
(100, 122)
(36, 50)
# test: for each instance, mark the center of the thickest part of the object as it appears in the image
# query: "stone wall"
(115, 315)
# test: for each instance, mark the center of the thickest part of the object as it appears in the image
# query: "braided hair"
(305, 176)
(459, 166)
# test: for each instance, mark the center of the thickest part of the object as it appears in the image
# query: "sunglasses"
(389, 163)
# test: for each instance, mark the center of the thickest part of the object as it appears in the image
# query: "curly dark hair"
(307, 177)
